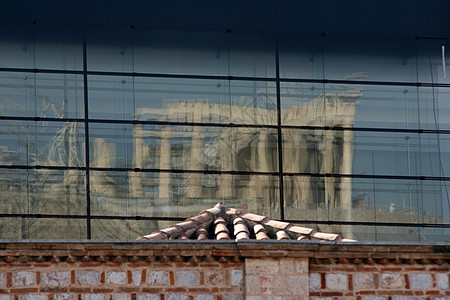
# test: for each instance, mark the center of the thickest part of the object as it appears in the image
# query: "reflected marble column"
(136, 188)
(100, 182)
(195, 186)
(328, 157)
(164, 163)
(346, 183)
(225, 147)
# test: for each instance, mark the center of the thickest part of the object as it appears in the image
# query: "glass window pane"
(385, 233)
(43, 143)
(182, 100)
(41, 46)
(375, 106)
(42, 228)
(110, 49)
(434, 108)
(252, 54)
(183, 147)
(41, 95)
(429, 60)
(180, 195)
(370, 58)
(317, 151)
(301, 56)
(125, 229)
(181, 52)
(43, 191)
(310, 104)
(364, 152)
(365, 199)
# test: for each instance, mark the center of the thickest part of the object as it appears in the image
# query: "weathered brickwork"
(407, 280)
(227, 270)
(110, 274)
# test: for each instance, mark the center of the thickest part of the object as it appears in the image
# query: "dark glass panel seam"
(184, 171)
(225, 125)
(326, 222)
(225, 77)
(279, 131)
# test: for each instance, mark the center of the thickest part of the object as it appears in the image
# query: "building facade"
(117, 120)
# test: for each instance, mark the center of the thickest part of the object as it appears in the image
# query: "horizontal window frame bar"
(230, 172)
(222, 30)
(176, 219)
(223, 77)
(224, 125)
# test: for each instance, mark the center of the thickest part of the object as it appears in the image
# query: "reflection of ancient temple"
(249, 149)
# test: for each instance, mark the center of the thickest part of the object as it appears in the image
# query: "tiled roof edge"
(245, 225)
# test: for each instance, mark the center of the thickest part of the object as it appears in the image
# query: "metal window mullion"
(86, 134)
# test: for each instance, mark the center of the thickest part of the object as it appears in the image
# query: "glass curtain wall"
(110, 132)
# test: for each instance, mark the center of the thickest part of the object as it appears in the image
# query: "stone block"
(2, 279)
(290, 285)
(122, 296)
(301, 265)
(252, 285)
(287, 266)
(236, 277)
(65, 297)
(88, 277)
(315, 282)
(392, 281)
(158, 278)
(266, 284)
(214, 277)
(405, 298)
(93, 297)
(321, 298)
(116, 277)
(442, 281)
(234, 297)
(363, 281)
(337, 282)
(177, 296)
(33, 297)
(187, 278)
(373, 298)
(136, 276)
(6, 297)
(56, 278)
(23, 278)
(148, 297)
(254, 266)
(204, 297)
(420, 281)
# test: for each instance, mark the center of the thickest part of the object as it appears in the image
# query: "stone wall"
(216, 270)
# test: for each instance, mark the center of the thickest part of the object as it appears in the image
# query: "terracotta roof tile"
(226, 223)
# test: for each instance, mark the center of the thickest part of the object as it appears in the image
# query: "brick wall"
(255, 270)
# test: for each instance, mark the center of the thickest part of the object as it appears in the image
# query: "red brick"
(53, 289)
(23, 290)
(103, 290)
(305, 254)
(80, 289)
(98, 247)
(366, 293)
(432, 292)
(20, 246)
